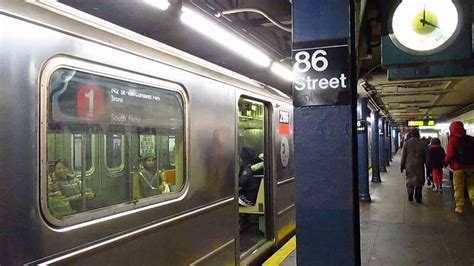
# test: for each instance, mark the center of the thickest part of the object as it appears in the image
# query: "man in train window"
(148, 179)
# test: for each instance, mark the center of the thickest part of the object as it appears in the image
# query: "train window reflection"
(110, 142)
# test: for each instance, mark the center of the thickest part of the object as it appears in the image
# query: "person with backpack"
(460, 157)
(435, 162)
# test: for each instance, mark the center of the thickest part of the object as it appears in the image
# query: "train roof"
(74, 22)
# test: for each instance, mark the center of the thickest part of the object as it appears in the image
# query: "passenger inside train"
(65, 190)
(250, 175)
(149, 178)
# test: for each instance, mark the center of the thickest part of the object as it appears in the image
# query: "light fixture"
(282, 71)
(161, 4)
(224, 37)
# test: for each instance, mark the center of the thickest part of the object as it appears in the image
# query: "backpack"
(465, 150)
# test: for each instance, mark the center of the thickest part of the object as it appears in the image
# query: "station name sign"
(321, 76)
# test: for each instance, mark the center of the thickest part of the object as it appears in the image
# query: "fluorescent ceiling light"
(224, 37)
(161, 4)
(282, 71)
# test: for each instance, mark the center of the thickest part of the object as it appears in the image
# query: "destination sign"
(92, 99)
(321, 76)
(419, 123)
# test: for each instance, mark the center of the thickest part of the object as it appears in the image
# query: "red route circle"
(90, 102)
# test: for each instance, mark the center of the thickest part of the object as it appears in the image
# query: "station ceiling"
(400, 100)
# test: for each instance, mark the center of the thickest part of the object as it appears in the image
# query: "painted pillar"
(375, 147)
(382, 154)
(325, 136)
(363, 150)
(388, 142)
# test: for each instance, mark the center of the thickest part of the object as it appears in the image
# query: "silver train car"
(117, 149)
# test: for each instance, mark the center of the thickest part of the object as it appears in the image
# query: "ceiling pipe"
(253, 10)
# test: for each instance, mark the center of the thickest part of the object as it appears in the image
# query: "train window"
(82, 153)
(114, 152)
(111, 131)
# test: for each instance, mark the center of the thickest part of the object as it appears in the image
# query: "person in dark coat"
(249, 176)
(435, 162)
(413, 160)
(463, 174)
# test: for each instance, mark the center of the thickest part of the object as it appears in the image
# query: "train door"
(253, 177)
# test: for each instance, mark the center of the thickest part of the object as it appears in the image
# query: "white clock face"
(424, 26)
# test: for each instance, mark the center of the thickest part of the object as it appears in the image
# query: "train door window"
(252, 132)
(114, 151)
(101, 135)
(82, 154)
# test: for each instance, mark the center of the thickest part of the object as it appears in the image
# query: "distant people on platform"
(429, 176)
(250, 175)
(460, 157)
(65, 191)
(435, 162)
(413, 161)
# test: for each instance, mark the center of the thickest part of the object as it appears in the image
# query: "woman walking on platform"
(435, 161)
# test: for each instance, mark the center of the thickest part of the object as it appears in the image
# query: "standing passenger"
(460, 157)
(435, 162)
(413, 160)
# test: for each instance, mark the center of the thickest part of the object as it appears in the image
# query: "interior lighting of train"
(160, 4)
(282, 71)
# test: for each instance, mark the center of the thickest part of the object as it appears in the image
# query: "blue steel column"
(390, 147)
(375, 148)
(396, 141)
(327, 204)
(387, 142)
(382, 154)
(363, 150)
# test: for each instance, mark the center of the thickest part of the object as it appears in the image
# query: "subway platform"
(395, 231)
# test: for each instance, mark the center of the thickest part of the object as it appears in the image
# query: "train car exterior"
(117, 149)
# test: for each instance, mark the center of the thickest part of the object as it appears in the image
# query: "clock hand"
(428, 23)
(424, 16)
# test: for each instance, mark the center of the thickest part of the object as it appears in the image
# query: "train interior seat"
(259, 207)
(169, 176)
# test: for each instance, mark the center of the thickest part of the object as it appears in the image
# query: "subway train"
(117, 149)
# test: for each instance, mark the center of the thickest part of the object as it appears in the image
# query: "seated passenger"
(250, 165)
(64, 190)
(149, 178)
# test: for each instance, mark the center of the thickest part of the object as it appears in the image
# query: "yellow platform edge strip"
(282, 253)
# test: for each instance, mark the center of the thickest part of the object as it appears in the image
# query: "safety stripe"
(282, 253)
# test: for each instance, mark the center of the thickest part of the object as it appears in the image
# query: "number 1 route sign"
(321, 76)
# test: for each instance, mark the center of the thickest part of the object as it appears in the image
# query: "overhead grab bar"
(253, 10)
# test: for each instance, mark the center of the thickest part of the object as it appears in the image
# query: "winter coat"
(456, 130)
(435, 157)
(413, 160)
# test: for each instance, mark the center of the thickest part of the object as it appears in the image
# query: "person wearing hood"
(413, 160)
(460, 157)
(435, 162)
(149, 177)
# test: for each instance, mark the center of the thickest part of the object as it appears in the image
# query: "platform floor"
(397, 232)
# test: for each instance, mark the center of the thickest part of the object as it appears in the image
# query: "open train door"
(254, 177)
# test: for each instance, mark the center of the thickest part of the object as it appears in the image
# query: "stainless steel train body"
(192, 115)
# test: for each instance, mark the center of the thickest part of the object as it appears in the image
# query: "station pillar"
(396, 140)
(375, 147)
(325, 133)
(388, 142)
(382, 154)
(363, 149)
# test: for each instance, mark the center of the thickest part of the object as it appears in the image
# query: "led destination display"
(79, 97)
